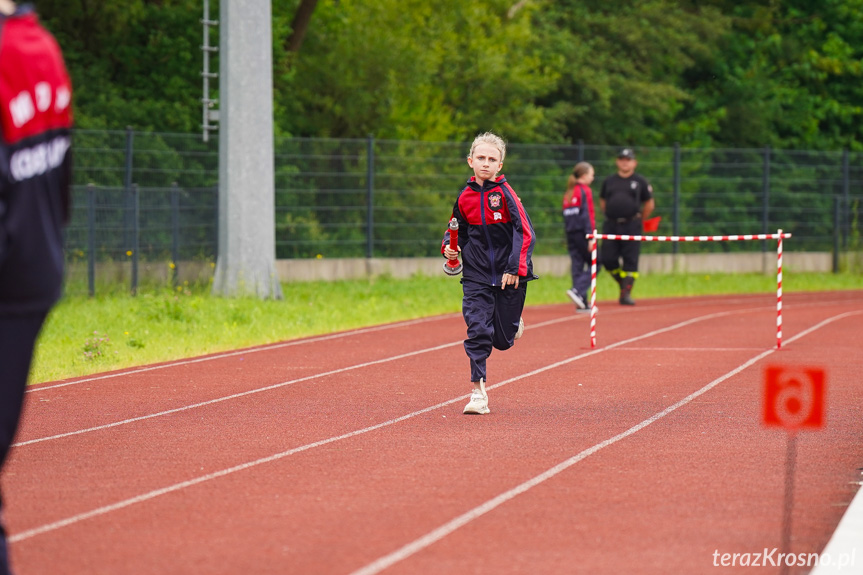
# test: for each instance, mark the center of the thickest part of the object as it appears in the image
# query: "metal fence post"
(91, 240)
(676, 207)
(136, 231)
(765, 188)
(370, 184)
(110, 223)
(175, 233)
(127, 187)
(216, 223)
(836, 220)
(845, 222)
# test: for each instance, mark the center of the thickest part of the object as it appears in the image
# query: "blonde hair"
(579, 170)
(489, 138)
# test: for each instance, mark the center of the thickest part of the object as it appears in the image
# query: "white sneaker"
(478, 403)
(576, 299)
(520, 330)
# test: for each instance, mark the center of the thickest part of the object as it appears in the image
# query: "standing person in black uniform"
(35, 172)
(626, 199)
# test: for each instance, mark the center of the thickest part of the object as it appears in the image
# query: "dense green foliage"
(714, 73)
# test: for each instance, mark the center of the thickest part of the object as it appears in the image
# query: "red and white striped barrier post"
(640, 238)
(779, 291)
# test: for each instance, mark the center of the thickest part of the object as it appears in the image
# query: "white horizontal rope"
(688, 238)
(779, 235)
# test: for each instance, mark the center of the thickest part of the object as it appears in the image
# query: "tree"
(789, 75)
(710, 73)
(395, 68)
(623, 65)
(300, 24)
(133, 63)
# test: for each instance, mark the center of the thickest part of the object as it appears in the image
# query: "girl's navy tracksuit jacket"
(496, 237)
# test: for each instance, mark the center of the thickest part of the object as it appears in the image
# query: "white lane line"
(437, 534)
(131, 371)
(178, 486)
(233, 396)
(308, 378)
(246, 351)
(39, 387)
(841, 551)
(197, 480)
(257, 390)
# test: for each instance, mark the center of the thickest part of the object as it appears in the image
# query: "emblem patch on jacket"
(495, 200)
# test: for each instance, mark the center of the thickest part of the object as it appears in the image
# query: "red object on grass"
(651, 224)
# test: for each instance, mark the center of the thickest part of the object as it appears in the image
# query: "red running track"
(349, 453)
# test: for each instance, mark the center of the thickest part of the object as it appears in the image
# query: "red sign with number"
(794, 397)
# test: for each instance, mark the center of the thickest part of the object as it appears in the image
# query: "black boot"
(626, 291)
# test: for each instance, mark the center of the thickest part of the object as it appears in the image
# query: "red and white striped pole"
(639, 238)
(779, 291)
(593, 293)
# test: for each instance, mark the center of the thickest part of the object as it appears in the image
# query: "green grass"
(113, 331)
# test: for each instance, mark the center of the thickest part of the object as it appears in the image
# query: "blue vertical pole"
(175, 233)
(130, 137)
(135, 237)
(370, 185)
(91, 239)
(836, 220)
(127, 187)
(846, 186)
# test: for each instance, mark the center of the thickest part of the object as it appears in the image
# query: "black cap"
(626, 153)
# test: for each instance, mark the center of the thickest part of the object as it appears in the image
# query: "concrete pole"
(247, 236)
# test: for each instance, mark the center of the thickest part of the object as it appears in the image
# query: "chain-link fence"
(153, 198)
(139, 197)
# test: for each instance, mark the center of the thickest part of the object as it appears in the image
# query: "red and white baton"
(453, 267)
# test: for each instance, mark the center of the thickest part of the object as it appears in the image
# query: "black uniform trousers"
(492, 315)
(611, 252)
(17, 339)
(579, 257)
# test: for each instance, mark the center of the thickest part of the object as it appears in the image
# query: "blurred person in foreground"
(626, 199)
(35, 172)
(578, 221)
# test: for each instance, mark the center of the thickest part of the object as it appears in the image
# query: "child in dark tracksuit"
(496, 240)
(578, 221)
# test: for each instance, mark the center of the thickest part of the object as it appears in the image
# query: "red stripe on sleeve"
(588, 194)
(526, 233)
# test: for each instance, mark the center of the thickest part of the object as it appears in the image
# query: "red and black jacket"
(35, 164)
(494, 232)
(578, 216)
